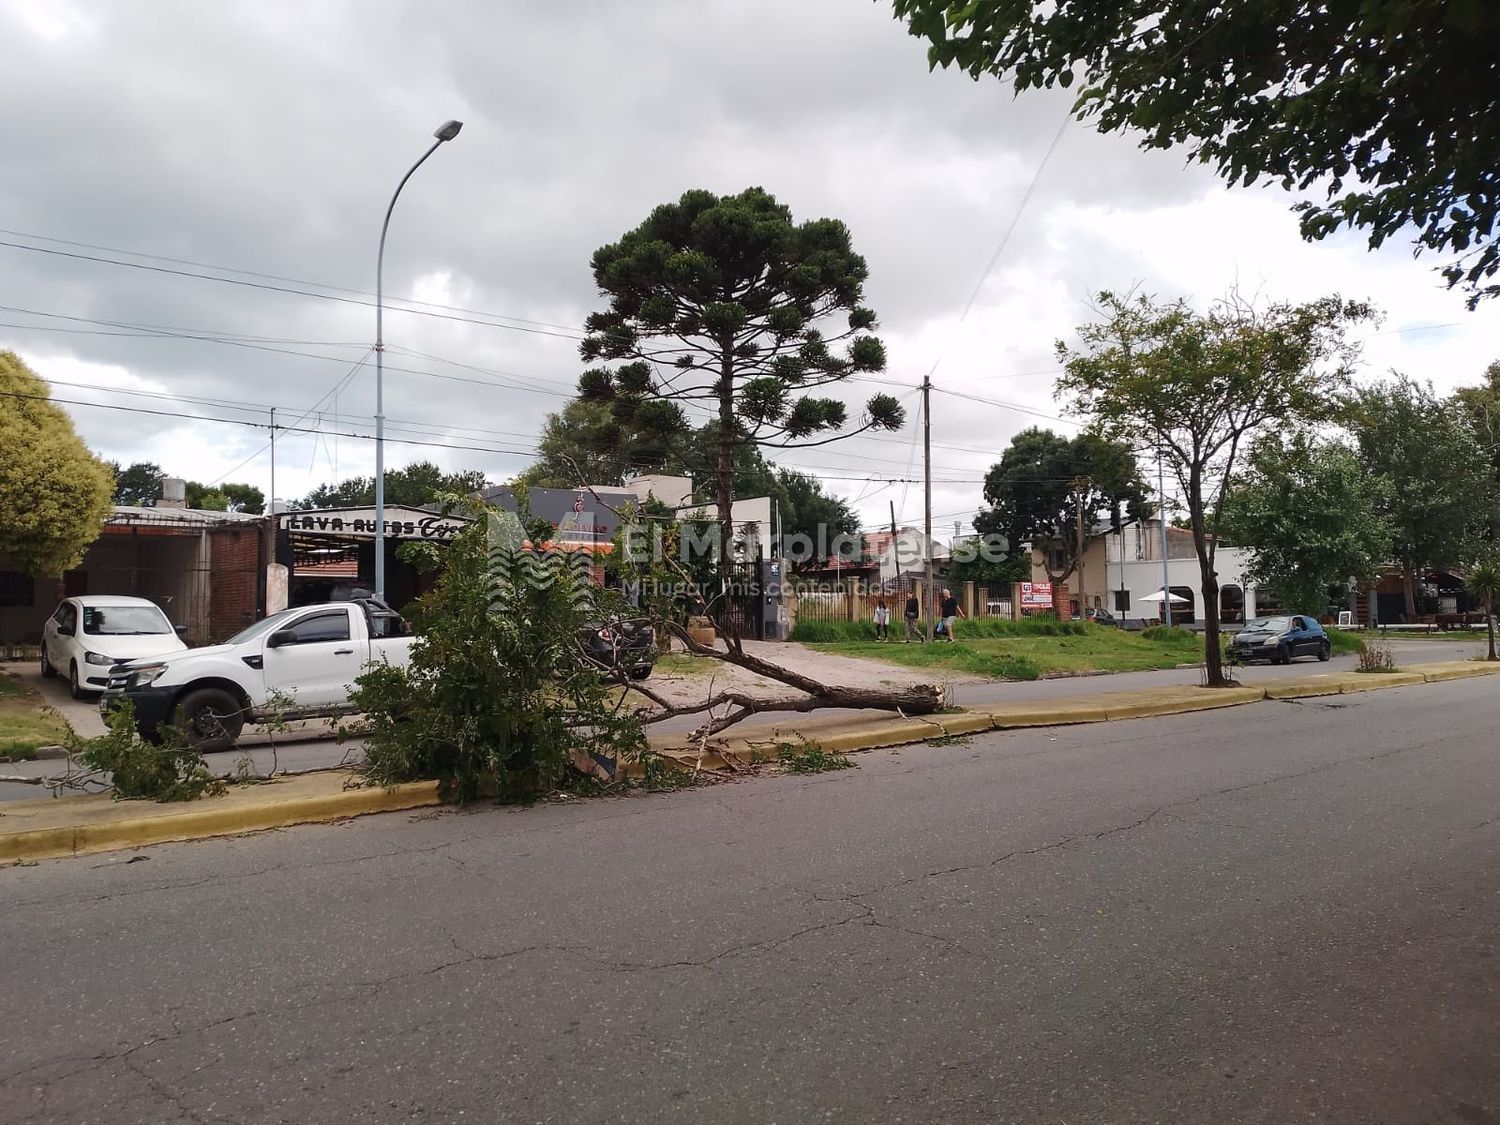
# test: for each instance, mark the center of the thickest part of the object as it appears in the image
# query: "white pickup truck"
(300, 663)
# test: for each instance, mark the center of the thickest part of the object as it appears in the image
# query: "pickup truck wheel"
(211, 718)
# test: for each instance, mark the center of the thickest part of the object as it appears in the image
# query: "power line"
(288, 290)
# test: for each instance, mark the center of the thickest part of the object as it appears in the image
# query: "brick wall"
(235, 565)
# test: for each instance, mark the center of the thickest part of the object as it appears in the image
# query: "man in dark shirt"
(913, 611)
(950, 611)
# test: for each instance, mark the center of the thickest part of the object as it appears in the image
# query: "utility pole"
(1161, 512)
(929, 609)
(271, 500)
(895, 545)
(1080, 492)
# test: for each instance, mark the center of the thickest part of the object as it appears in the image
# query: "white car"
(88, 634)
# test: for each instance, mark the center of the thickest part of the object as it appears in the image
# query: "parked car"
(310, 655)
(1100, 616)
(621, 643)
(88, 634)
(1280, 640)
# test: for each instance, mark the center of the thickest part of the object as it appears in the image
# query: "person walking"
(882, 620)
(950, 611)
(913, 612)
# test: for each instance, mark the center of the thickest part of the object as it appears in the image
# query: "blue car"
(1280, 640)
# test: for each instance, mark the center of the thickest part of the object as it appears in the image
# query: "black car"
(621, 643)
(1280, 640)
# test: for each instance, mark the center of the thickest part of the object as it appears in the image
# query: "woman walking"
(882, 620)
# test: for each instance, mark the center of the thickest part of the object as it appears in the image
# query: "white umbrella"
(1156, 597)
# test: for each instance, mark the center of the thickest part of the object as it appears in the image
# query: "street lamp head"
(449, 130)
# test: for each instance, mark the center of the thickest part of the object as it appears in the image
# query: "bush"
(1017, 668)
(1340, 641)
(811, 631)
(172, 771)
(498, 700)
(1376, 656)
(1170, 635)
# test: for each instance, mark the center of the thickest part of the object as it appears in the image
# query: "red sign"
(1036, 595)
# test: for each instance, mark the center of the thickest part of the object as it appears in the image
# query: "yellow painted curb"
(1374, 681)
(1203, 699)
(1064, 713)
(1458, 670)
(1305, 689)
(143, 823)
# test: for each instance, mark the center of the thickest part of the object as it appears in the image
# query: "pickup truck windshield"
(124, 621)
(260, 628)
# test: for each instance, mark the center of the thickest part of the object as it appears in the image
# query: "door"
(1302, 642)
(55, 633)
(316, 668)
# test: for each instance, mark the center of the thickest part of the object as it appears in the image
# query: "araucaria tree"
(54, 493)
(1196, 388)
(725, 302)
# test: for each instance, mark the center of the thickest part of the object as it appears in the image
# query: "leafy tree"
(806, 509)
(225, 498)
(1311, 518)
(1197, 388)
(723, 301)
(1483, 582)
(575, 449)
(1437, 475)
(1043, 480)
(1389, 105)
(138, 485)
(969, 564)
(416, 484)
(54, 493)
(1481, 406)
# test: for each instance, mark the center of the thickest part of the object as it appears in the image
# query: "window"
(1122, 601)
(124, 621)
(322, 627)
(16, 589)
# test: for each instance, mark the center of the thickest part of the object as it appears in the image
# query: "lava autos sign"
(400, 523)
(1036, 595)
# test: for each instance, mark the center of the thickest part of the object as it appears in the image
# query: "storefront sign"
(1036, 595)
(400, 523)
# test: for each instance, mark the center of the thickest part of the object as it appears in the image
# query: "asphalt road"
(1278, 913)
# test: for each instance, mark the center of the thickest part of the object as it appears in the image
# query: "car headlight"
(99, 658)
(1271, 642)
(143, 674)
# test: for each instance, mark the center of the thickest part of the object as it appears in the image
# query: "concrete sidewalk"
(48, 828)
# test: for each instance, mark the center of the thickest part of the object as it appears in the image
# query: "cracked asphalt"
(1275, 913)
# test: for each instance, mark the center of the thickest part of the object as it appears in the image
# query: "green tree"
(1437, 476)
(1483, 582)
(225, 498)
(970, 564)
(1311, 518)
(724, 301)
(1042, 482)
(416, 484)
(575, 447)
(1196, 388)
(1481, 407)
(139, 484)
(806, 509)
(1388, 105)
(55, 495)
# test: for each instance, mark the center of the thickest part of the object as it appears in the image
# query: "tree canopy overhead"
(54, 494)
(1389, 107)
(725, 303)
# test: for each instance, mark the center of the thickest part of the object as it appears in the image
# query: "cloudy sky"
(266, 137)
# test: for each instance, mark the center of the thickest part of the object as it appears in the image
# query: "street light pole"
(447, 132)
